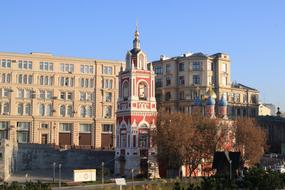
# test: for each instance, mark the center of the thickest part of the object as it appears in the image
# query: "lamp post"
(59, 175)
(102, 175)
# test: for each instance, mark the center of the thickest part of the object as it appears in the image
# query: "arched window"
(82, 111)
(28, 109)
(89, 111)
(69, 111)
(62, 110)
(142, 91)
(49, 109)
(125, 90)
(141, 61)
(143, 136)
(42, 110)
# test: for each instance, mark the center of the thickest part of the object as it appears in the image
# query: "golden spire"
(137, 30)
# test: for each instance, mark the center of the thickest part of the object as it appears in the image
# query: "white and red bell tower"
(136, 116)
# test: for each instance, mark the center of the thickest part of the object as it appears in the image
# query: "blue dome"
(223, 101)
(197, 101)
(211, 101)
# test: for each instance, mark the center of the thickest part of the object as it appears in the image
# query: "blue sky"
(251, 32)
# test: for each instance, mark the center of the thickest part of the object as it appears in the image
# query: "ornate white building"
(136, 116)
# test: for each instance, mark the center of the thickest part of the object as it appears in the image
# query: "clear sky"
(252, 32)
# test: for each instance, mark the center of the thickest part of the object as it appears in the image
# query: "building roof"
(239, 85)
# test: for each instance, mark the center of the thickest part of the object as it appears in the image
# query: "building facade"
(58, 100)
(136, 116)
(180, 79)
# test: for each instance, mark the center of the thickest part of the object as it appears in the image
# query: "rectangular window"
(62, 95)
(107, 111)
(181, 80)
(69, 95)
(181, 66)
(46, 66)
(44, 126)
(224, 67)
(23, 132)
(107, 128)
(158, 70)
(181, 95)
(20, 93)
(168, 68)
(108, 96)
(196, 79)
(85, 128)
(4, 130)
(196, 66)
(107, 70)
(167, 96)
(168, 81)
(65, 127)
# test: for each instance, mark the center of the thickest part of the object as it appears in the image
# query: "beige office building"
(180, 79)
(58, 100)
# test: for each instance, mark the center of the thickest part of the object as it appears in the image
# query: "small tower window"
(126, 90)
(142, 91)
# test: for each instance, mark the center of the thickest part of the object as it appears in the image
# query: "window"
(196, 79)
(108, 96)
(23, 132)
(86, 96)
(4, 130)
(65, 67)
(181, 66)
(20, 93)
(28, 109)
(5, 78)
(244, 98)
(5, 92)
(25, 79)
(196, 66)
(254, 99)
(46, 80)
(69, 111)
(49, 94)
(62, 110)
(181, 80)
(46, 66)
(107, 128)
(42, 109)
(49, 110)
(85, 128)
(167, 96)
(143, 139)
(107, 70)
(62, 95)
(82, 111)
(20, 109)
(86, 69)
(158, 83)
(65, 127)
(69, 95)
(89, 111)
(6, 108)
(6, 63)
(24, 64)
(44, 126)
(107, 83)
(86, 83)
(143, 91)
(125, 90)
(107, 111)
(66, 81)
(224, 80)
(168, 81)
(158, 70)
(168, 68)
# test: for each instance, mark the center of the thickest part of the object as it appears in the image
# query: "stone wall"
(38, 156)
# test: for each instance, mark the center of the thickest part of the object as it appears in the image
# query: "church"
(136, 116)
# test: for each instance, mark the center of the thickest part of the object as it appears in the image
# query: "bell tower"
(136, 116)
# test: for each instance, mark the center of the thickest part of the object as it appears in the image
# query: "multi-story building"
(180, 79)
(58, 100)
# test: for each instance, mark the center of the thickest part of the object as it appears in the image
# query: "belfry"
(136, 116)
